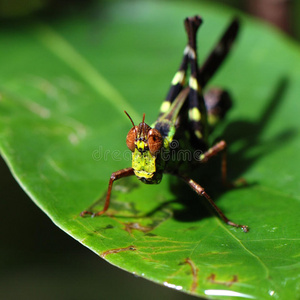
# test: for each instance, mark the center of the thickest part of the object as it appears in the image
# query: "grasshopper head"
(144, 138)
(145, 143)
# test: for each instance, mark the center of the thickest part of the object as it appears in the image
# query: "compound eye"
(131, 137)
(155, 141)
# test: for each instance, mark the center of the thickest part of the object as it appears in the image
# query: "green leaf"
(63, 87)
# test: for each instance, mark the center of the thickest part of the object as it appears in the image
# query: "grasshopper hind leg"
(178, 81)
(196, 111)
(177, 85)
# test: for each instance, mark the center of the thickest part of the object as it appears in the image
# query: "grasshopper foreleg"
(114, 176)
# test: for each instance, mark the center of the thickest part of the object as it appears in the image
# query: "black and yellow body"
(186, 117)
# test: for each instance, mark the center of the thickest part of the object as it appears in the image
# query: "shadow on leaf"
(246, 133)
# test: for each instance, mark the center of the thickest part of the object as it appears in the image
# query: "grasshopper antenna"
(129, 117)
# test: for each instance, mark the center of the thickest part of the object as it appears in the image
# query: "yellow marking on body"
(186, 50)
(141, 145)
(193, 83)
(166, 143)
(165, 106)
(198, 134)
(179, 78)
(194, 114)
(143, 174)
(190, 52)
(212, 119)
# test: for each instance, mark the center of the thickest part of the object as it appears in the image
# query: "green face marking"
(143, 164)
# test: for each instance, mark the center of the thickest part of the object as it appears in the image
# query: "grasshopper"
(186, 117)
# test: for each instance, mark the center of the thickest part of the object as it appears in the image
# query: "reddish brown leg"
(114, 176)
(214, 150)
(200, 191)
(219, 147)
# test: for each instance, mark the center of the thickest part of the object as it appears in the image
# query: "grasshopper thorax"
(145, 144)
